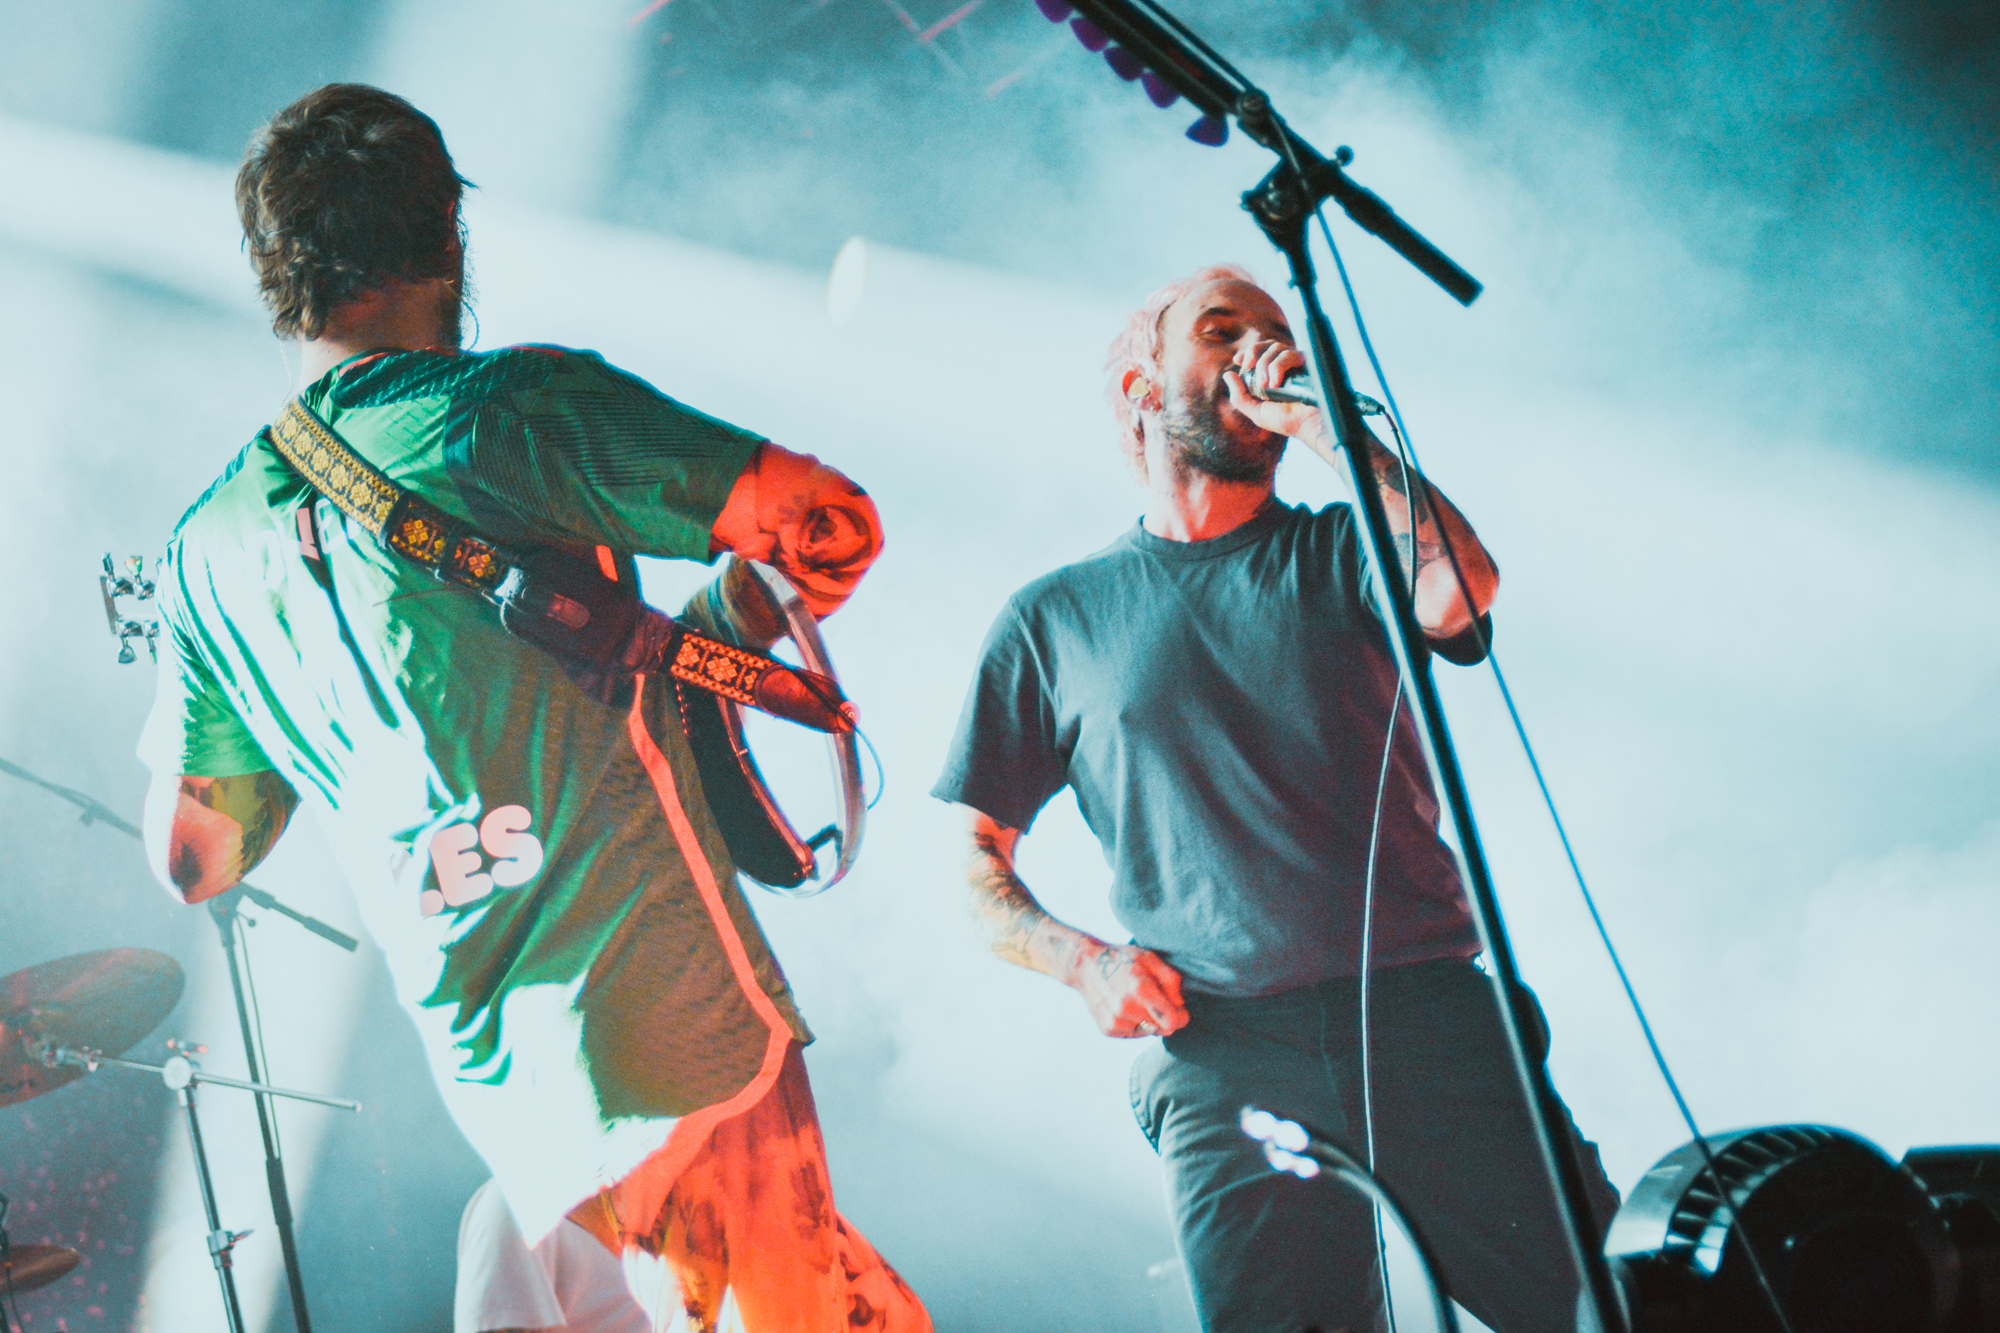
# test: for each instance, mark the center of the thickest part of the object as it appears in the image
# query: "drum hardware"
(183, 1075)
(28, 1266)
(225, 908)
(62, 1019)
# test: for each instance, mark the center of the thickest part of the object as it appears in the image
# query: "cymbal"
(31, 1266)
(105, 1000)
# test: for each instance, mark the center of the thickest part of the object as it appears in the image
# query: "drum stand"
(183, 1075)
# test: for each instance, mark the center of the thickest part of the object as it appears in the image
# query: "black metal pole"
(220, 1243)
(1282, 204)
(223, 909)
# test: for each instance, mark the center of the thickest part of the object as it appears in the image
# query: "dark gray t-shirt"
(1220, 708)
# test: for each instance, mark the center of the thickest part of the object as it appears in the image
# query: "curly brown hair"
(347, 188)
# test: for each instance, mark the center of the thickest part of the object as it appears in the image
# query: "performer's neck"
(1196, 507)
(399, 315)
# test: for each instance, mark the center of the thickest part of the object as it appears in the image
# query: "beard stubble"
(1198, 441)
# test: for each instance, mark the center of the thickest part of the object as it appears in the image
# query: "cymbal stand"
(182, 1075)
(226, 909)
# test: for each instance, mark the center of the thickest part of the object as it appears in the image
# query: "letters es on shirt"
(464, 876)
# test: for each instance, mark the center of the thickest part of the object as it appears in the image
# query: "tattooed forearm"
(1012, 924)
(1389, 473)
(221, 828)
(261, 804)
(1396, 484)
(1449, 571)
(1006, 913)
(272, 803)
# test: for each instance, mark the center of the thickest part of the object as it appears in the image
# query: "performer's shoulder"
(1334, 522)
(386, 378)
(1332, 516)
(527, 378)
(212, 503)
(1076, 585)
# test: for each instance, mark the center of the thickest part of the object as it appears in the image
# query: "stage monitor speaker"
(1965, 1183)
(1847, 1240)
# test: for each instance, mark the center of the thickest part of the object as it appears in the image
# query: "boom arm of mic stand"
(1326, 179)
(1166, 46)
(314, 924)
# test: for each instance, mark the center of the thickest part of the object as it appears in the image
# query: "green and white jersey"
(555, 902)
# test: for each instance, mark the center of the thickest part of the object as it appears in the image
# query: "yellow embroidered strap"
(405, 524)
(719, 668)
(421, 532)
(356, 489)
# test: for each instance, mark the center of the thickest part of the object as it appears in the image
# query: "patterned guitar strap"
(586, 619)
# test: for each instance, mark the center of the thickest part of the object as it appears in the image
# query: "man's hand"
(1130, 991)
(1419, 524)
(818, 528)
(1270, 362)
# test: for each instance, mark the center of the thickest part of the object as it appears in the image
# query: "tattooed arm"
(205, 834)
(1443, 608)
(1130, 992)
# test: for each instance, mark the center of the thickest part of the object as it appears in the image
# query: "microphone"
(1301, 387)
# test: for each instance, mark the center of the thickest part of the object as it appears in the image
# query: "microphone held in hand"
(1303, 388)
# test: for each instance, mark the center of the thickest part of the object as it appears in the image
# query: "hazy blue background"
(1726, 415)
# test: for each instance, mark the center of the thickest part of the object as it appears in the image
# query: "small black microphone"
(1301, 387)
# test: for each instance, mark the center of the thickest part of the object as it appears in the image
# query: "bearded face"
(1200, 335)
(1198, 440)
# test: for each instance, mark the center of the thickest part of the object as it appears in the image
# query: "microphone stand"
(1282, 204)
(224, 908)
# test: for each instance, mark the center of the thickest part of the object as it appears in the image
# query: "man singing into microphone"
(1217, 688)
(535, 858)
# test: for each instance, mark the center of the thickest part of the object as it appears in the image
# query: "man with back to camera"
(1217, 688)
(605, 1019)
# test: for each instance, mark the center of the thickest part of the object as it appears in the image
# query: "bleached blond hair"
(1137, 347)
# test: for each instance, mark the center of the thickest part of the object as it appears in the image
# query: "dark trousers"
(1275, 1254)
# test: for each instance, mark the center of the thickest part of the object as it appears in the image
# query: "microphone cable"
(1406, 451)
(1367, 967)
